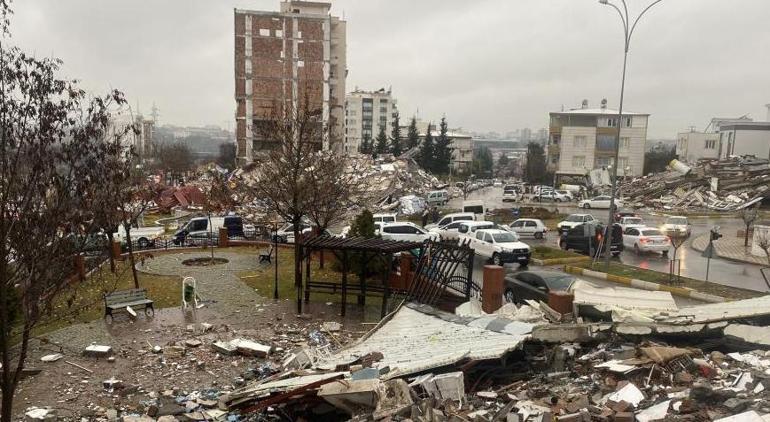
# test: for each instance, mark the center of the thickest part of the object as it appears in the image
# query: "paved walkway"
(729, 248)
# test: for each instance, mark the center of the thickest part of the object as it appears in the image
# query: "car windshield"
(676, 220)
(653, 232)
(504, 237)
(508, 192)
(558, 282)
(576, 218)
(483, 226)
(634, 220)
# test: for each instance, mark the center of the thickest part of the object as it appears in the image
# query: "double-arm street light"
(628, 31)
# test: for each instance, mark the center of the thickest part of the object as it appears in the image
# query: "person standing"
(435, 215)
(425, 214)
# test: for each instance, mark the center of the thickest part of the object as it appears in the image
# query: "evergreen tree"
(482, 161)
(443, 149)
(412, 135)
(535, 170)
(395, 137)
(426, 157)
(382, 141)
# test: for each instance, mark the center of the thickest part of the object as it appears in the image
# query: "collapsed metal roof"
(418, 338)
(726, 311)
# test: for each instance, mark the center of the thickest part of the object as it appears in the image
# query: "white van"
(384, 218)
(451, 218)
(437, 197)
(477, 208)
(198, 229)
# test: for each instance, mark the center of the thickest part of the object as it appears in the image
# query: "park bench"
(265, 256)
(121, 299)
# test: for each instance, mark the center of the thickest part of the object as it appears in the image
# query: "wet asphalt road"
(693, 265)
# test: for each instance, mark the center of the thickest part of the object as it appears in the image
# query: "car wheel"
(539, 235)
(615, 254)
(636, 249)
(558, 200)
(496, 260)
(587, 205)
(523, 264)
(143, 243)
(509, 298)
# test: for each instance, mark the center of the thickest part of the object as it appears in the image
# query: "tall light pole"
(627, 33)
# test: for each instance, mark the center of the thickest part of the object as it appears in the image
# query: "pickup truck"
(143, 236)
(501, 246)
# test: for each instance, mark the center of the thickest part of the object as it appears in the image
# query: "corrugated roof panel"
(724, 311)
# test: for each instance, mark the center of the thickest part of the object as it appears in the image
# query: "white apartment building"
(745, 138)
(692, 146)
(583, 139)
(365, 113)
(462, 143)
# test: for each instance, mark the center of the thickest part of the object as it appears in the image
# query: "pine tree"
(395, 137)
(427, 158)
(412, 135)
(382, 141)
(443, 150)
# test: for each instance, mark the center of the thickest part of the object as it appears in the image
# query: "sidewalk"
(729, 248)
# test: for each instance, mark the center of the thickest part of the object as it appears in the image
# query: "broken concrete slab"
(251, 348)
(192, 342)
(95, 350)
(224, 347)
(52, 357)
(40, 414)
(354, 396)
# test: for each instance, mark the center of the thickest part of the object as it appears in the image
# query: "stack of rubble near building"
(723, 185)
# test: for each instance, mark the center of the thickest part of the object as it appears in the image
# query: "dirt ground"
(232, 309)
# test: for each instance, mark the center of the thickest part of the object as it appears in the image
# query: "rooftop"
(745, 125)
(599, 112)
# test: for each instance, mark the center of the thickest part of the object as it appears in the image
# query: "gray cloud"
(486, 64)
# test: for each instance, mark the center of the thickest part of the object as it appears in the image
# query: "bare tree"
(281, 177)
(52, 151)
(749, 215)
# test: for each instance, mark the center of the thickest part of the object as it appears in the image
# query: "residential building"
(282, 60)
(692, 146)
(584, 139)
(365, 113)
(745, 138)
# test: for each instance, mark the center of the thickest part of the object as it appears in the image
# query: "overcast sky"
(487, 64)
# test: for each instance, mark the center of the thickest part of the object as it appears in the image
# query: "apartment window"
(383, 109)
(278, 33)
(578, 161)
(580, 142)
(622, 163)
(555, 139)
(299, 34)
(351, 121)
(625, 143)
(627, 122)
(711, 143)
(352, 112)
(383, 100)
(300, 63)
(264, 32)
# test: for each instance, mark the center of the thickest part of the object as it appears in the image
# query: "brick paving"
(729, 248)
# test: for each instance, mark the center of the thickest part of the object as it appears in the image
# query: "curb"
(647, 285)
(720, 256)
(559, 261)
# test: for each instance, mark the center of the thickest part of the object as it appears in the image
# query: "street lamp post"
(627, 32)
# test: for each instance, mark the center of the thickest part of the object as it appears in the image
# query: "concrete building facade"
(583, 139)
(692, 146)
(285, 59)
(745, 138)
(365, 113)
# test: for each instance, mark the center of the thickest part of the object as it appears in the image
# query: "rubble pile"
(723, 185)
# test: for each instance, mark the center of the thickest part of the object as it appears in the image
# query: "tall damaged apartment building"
(288, 57)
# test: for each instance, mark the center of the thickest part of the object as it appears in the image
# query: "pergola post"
(344, 281)
(362, 280)
(308, 257)
(386, 286)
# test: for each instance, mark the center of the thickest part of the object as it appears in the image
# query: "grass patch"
(546, 252)
(663, 278)
(263, 281)
(84, 302)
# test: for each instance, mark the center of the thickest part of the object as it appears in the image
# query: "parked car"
(501, 247)
(449, 231)
(476, 207)
(529, 227)
(509, 195)
(553, 195)
(573, 220)
(676, 226)
(449, 218)
(437, 197)
(628, 222)
(384, 218)
(566, 194)
(286, 233)
(497, 184)
(624, 213)
(587, 239)
(406, 231)
(646, 239)
(535, 285)
(144, 237)
(602, 201)
(467, 229)
(199, 228)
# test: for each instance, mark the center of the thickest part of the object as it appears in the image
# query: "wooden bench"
(120, 299)
(265, 256)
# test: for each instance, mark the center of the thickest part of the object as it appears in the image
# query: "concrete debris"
(95, 350)
(52, 358)
(724, 185)
(40, 414)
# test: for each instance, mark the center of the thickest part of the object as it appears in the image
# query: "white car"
(676, 225)
(501, 247)
(566, 194)
(406, 231)
(646, 239)
(286, 233)
(467, 229)
(509, 195)
(448, 231)
(529, 227)
(628, 222)
(450, 218)
(573, 220)
(602, 201)
(554, 196)
(346, 230)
